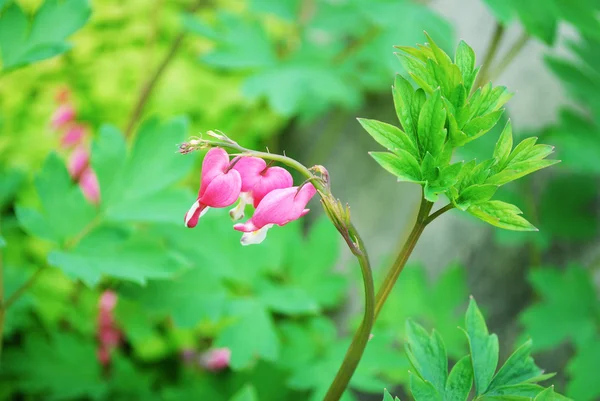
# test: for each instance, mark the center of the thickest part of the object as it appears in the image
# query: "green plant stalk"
(489, 56)
(362, 336)
(423, 219)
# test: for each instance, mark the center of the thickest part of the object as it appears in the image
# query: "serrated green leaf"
(480, 125)
(418, 72)
(138, 188)
(188, 298)
(583, 383)
(59, 197)
(403, 93)
(538, 19)
(423, 390)
(388, 397)
(432, 119)
(427, 354)
(114, 253)
(504, 145)
(465, 60)
(22, 42)
(63, 366)
(546, 395)
(483, 346)
(517, 170)
(389, 136)
(566, 309)
(246, 393)
(502, 9)
(518, 368)
(525, 391)
(403, 165)
(287, 300)
(429, 169)
(475, 194)
(501, 214)
(252, 334)
(459, 381)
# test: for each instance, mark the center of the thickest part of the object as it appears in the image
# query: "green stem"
(398, 265)
(492, 50)
(512, 53)
(361, 337)
(2, 305)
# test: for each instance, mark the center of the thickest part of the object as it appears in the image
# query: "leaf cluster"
(443, 113)
(476, 372)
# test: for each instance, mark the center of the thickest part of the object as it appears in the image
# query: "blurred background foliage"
(145, 75)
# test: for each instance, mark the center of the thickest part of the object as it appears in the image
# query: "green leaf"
(23, 43)
(502, 9)
(564, 208)
(2, 242)
(241, 43)
(483, 346)
(566, 309)
(189, 298)
(403, 93)
(460, 381)
(480, 125)
(63, 366)
(139, 188)
(504, 145)
(389, 136)
(546, 395)
(518, 368)
(465, 60)
(583, 378)
(114, 253)
(251, 335)
(538, 18)
(403, 165)
(423, 390)
(427, 354)
(432, 119)
(246, 393)
(388, 397)
(287, 300)
(59, 197)
(475, 194)
(501, 214)
(517, 170)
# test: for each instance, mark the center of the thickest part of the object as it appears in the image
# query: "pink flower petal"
(279, 206)
(78, 161)
(215, 162)
(273, 178)
(73, 136)
(193, 215)
(108, 300)
(250, 169)
(216, 359)
(88, 182)
(223, 190)
(63, 115)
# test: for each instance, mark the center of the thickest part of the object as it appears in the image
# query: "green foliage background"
(256, 70)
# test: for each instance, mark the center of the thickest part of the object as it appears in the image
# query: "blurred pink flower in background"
(215, 359)
(88, 182)
(78, 162)
(62, 116)
(109, 336)
(73, 136)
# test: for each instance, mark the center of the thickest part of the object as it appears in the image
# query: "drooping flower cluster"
(74, 138)
(109, 336)
(268, 188)
(214, 359)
